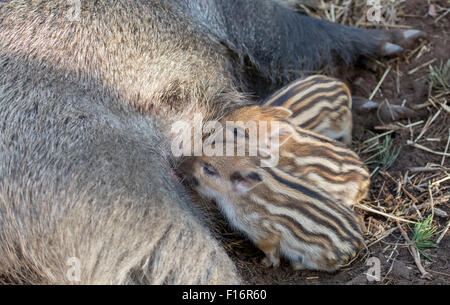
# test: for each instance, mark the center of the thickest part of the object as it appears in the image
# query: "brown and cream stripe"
(322, 163)
(318, 103)
(307, 216)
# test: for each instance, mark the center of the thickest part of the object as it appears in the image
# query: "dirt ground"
(407, 81)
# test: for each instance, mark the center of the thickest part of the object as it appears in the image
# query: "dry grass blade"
(443, 233)
(380, 83)
(365, 208)
(409, 142)
(422, 66)
(415, 254)
(446, 148)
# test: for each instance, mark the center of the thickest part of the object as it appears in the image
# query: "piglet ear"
(280, 130)
(279, 112)
(244, 182)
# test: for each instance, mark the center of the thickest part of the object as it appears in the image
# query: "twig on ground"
(443, 233)
(365, 208)
(422, 66)
(409, 142)
(379, 83)
(427, 169)
(415, 254)
(446, 148)
(385, 234)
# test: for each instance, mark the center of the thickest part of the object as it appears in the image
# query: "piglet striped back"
(318, 103)
(326, 164)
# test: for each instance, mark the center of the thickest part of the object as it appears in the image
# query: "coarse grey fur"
(85, 107)
(83, 174)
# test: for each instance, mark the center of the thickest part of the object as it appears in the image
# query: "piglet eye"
(255, 176)
(209, 169)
